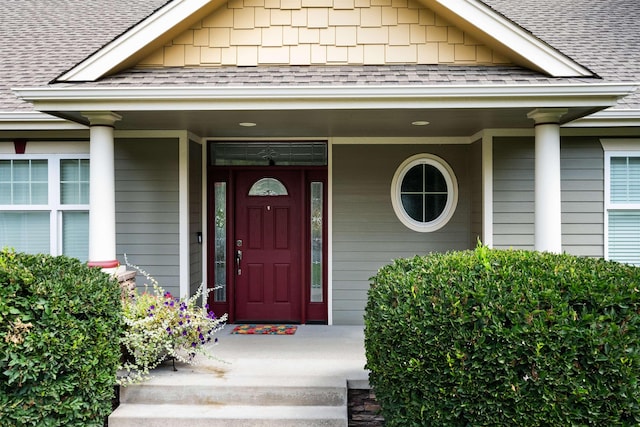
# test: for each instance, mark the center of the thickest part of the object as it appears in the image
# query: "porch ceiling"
(331, 123)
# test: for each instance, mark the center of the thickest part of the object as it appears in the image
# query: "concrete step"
(195, 388)
(170, 415)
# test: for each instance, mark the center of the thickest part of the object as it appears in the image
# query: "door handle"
(238, 259)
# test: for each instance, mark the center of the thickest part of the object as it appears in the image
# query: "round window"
(424, 192)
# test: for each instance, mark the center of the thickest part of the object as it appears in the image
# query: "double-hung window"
(44, 204)
(622, 206)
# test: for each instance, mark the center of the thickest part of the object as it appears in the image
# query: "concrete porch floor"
(313, 351)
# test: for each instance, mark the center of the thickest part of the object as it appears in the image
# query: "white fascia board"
(608, 118)
(514, 37)
(242, 98)
(35, 120)
(128, 44)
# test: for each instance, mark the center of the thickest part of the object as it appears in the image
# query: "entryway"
(268, 231)
(273, 380)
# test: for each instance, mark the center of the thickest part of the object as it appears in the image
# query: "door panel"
(268, 278)
(255, 273)
(282, 282)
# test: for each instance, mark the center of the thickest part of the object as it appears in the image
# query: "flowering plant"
(159, 326)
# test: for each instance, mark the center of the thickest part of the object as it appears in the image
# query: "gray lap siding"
(582, 186)
(366, 232)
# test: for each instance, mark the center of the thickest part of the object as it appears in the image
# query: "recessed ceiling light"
(247, 124)
(420, 123)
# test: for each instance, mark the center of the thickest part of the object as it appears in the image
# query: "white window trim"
(615, 148)
(452, 192)
(54, 205)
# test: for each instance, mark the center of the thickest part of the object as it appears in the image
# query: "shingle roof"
(42, 39)
(330, 75)
(603, 35)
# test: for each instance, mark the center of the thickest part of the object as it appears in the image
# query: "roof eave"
(608, 118)
(201, 98)
(35, 121)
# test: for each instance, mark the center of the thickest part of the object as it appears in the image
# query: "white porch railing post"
(102, 206)
(548, 209)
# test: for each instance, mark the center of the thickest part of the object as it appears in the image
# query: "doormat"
(265, 329)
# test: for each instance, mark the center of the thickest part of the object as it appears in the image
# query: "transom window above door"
(269, 153)
(424, 193)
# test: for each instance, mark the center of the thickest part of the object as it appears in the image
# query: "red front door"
(268, 246)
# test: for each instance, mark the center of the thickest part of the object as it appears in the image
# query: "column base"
(104, 264)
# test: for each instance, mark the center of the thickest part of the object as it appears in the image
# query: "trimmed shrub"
(492, 337)
(59, 341)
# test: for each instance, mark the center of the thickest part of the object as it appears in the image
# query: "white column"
(548, 210)
(102, 205)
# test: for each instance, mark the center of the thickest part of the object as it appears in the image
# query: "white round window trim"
(452, 192)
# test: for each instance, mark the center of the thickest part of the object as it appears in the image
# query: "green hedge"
(490, 337)
(59, 334)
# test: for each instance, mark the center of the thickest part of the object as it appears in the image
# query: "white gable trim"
(539, 54)
(121, 49)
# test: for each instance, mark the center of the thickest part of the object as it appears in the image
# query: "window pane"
(69, 193)
(5, 193)
(413, 206)
(75, 235)
(39, 171)
(634, 179)
(316, 242)
(220, 195)
(625, 179)
(25, 231)
(433, 180)
(624, 236)
(434, 205)
(268, 187)
(69, 170)
(74, 182)
(39, 193)
(84, 170)
(24, 182)
(84, 193)
(413, 180)
(21, 171)
(21, 193)
(5, 171)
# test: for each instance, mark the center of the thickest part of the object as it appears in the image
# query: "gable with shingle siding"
(328, 32)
